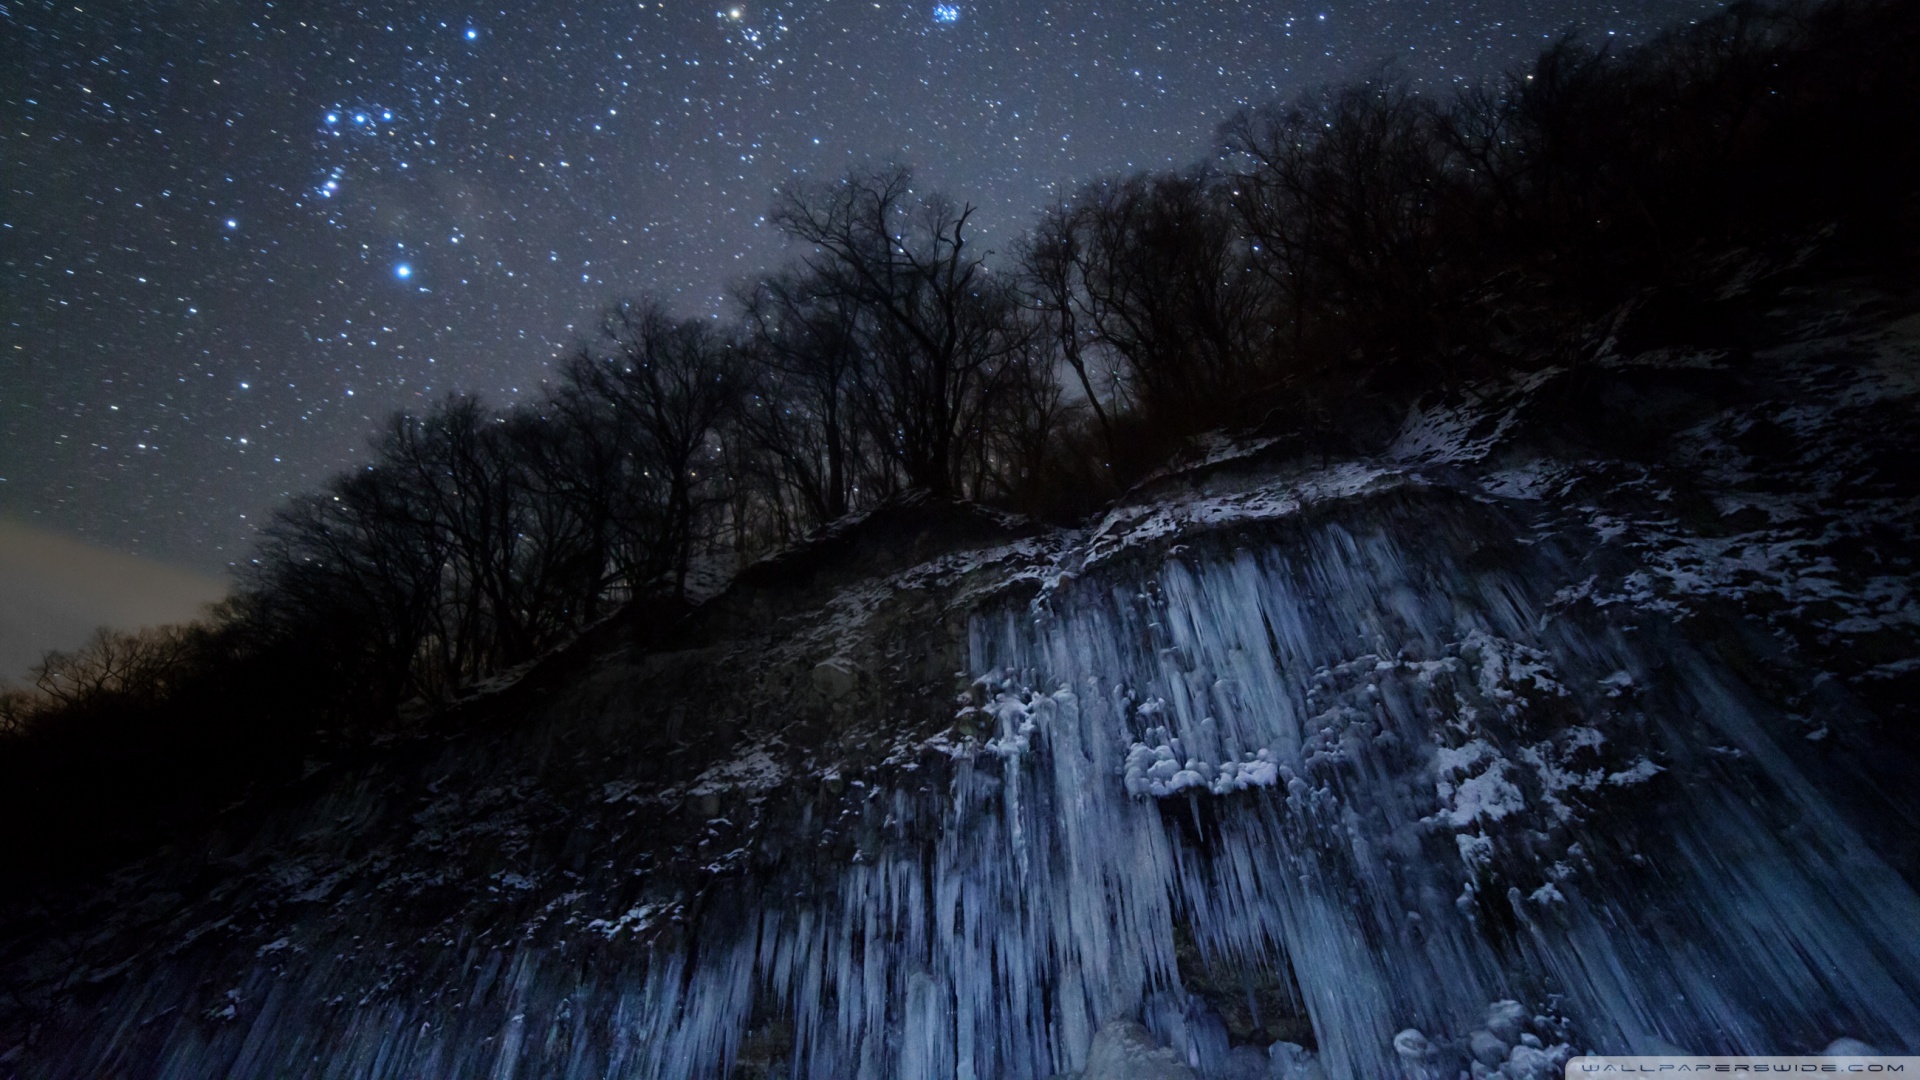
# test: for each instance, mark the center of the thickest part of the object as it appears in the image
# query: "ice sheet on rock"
(1252, 652)
(1133, 526)
(1480, 811)
(1433, 775)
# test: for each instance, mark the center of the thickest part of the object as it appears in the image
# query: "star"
(620, 149)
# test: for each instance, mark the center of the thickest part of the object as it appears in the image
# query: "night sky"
(234, 235)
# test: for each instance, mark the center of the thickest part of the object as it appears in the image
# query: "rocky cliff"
(1576, 716)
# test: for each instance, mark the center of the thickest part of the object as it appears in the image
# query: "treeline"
(1342, 252)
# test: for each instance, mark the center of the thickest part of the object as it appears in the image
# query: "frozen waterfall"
(1458, 826)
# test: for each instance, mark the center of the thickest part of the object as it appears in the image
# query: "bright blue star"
(403, 271)
(233, 223)
(946, 13)
(360, 119)
(472, 34)
(333, 118)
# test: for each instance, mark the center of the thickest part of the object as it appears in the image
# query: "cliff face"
(1579, 717)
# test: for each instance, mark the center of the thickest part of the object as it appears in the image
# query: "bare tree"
(355, 574)
(1341, 190)
(1053, 264)
(801, 407)
(113, 662)
(669, 383)
(1154, 273)
(1029, 414)
(18, 708)
(932, 321)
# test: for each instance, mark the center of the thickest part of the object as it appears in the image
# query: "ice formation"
(1454, 784)
(1399, 817)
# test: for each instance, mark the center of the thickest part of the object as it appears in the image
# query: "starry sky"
(235, 235)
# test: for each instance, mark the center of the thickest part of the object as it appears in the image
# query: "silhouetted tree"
(1154, 272)
(136, 667)
(932, 322)
(354, 576)
(1340, 191)
(802, 405)
(1052, 263)
(667, 384)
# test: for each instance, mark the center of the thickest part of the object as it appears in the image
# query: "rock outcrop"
(1578, 717)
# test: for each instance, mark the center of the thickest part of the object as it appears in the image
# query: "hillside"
(1576, 714)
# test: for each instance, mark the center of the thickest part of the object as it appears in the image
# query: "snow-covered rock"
(1278, 752)
(1123, 1050)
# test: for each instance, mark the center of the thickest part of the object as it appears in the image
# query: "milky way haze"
(234, 235)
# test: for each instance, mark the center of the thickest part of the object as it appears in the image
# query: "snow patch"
(755, 770)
